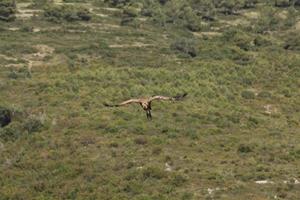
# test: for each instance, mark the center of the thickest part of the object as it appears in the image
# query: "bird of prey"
(145, 103)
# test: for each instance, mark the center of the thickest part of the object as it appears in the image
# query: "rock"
(5, 116)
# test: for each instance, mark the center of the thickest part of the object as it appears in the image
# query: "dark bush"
(250, 3)
(292, 42)
(117, 3)
(84, 15)
(11, 132)
(130, 12)
(243, 148)
(282, 3)
(261, 41)
(67, 13)
(153, 172)
(287, 92)
(5, 116)
(229, 7)
(248, 94)
(178, 180)
(185, 46)
(140, 141)
(33, 124)
(7, 10)
(239, 38)
(23, 72)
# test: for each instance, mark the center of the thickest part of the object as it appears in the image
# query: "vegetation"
(68, 13)
(235, 136)
(7, 10)
(5, 116)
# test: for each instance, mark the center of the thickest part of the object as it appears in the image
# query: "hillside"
(235, 136)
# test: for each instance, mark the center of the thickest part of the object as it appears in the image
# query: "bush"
(185, 46)
(239, 38)
(248, 94)
(264, 94)
(11, 132)
(23, 72)
(5, 116)
(292, 42)
(67, 13)
(243, 148)
(34, 124)
(140, 141)
(153, 172)
(261, 41)
(130, 12)
(7, 10)
(229, 7)
(250, 3)
(283, 3)
(178, 180)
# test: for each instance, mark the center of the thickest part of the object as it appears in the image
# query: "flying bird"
(145, 103)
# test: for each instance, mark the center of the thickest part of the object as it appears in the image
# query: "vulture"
(145, 103)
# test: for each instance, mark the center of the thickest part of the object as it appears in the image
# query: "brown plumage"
(145, 103)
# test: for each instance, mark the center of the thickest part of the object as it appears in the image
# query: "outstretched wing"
(123, 103)
(175, 98)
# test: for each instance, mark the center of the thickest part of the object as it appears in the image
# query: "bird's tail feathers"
(109, 105)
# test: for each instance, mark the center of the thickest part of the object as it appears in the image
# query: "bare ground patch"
(135, 44)
(251, 14)
(235, 22)
(24, 13)
(101, 26)
(8, 58)
(207, 34)
(297, 26)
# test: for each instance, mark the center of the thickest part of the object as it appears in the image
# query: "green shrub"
(130, 12)
(292, 42)
(229, 7)
(34, 124)
(264, 94)
(23, 72)
(27, 29)
(11, 132)
(269, 21)
(185, 46)
(178, 180)
(287, 92)
(7, 10)
(67, 13)
(282, 3)
(261, 41)
(248, 94)
(117, 3)
(244, 148)
(250, 3)
(153, 172)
